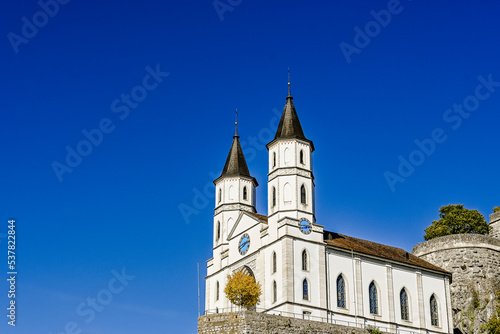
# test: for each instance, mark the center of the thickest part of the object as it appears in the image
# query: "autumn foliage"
(242, 290)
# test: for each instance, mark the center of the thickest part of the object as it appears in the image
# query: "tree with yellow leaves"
(242, 290)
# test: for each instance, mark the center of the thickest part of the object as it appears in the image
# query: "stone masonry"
(474, 261)
(248, 322)
(495, 225)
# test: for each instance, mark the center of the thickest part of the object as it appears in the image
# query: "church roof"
(289, 125)
(379, 250)
(236, 164)
(262, 218)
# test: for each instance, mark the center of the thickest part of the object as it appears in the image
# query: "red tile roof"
(379, 250)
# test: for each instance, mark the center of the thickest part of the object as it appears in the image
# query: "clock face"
(305, 227)
(244, 244)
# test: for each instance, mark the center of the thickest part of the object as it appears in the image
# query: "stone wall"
(474, 261)
(247, 322)
(495, 225)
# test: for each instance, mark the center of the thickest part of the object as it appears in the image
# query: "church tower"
(291, 180)
(234, 192)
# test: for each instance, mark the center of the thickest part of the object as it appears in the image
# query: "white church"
(304, 270)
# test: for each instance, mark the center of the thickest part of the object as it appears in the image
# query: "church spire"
(289, 125)
(236, 164)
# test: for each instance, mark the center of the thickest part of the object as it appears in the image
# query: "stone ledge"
(247, 322)
(456, 241)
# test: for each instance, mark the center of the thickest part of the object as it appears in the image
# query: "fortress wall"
(474, 261)
(247, 322)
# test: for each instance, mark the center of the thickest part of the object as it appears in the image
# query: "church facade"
(305, 270)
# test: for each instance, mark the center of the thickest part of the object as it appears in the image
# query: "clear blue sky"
(119, 207)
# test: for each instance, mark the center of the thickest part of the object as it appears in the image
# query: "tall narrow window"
(403, 298)
(274, 159)
(304, 260)
(287, 193)
(434, 311)
(287, 156)
(302, 194)
(244, 193)
(373, 298)
(217, 291)
(220, 195)
(274, 196)
(301, 157)
(340, 292)
(274, 262)
(275, 292)
(218, 230)
(305, 290)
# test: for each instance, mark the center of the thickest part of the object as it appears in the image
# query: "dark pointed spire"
(236, 164)
(289, 125)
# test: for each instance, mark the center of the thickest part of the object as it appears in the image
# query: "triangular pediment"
(244, 222)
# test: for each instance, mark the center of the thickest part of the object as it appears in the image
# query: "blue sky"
(160, 81)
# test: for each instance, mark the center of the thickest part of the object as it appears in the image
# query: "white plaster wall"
(270, 276)
(404, 278)
(341, 263)
(373, 271)
(435, 285)
(236, 185)
(312, 274)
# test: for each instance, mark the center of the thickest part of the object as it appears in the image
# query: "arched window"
(302, 194)
(287, 156)
(275, 292)
(244, 193)
(217, 291)
(305, 290)
(304, 260)
(434, 311)
(274, 159)
(301, 157)
(274, 196)
(218, 230)
(231, 193)
(340, 292)
(403, 298)
(372, 292)
(220, 195)
(274, 263)
(287, 193)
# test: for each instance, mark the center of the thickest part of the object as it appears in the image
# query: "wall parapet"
(248, 322)
(453, 241)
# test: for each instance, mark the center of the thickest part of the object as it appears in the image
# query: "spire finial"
(289, 82)
(236, 123)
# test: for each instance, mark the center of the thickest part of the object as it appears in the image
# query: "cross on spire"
(289, 82)
(236, 123)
